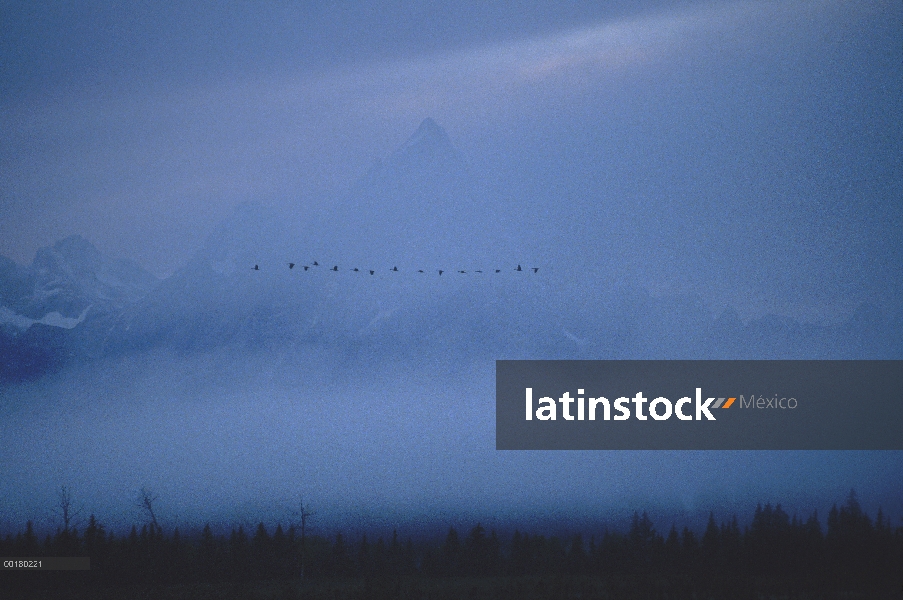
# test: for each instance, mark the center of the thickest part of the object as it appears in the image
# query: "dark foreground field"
(525, 587)
(774, 557)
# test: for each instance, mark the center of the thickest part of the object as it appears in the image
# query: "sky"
(746, 151)
(715, 130)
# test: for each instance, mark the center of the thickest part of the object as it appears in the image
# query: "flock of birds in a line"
(291, 266)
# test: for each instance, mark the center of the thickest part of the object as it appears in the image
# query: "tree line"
(775, 551)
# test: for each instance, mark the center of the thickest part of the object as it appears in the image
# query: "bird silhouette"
(291, 266)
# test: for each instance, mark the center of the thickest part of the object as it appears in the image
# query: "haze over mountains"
(419, 209)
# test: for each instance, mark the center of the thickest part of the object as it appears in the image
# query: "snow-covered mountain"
(420, 211)
(416, 210)
(218, 294)
(63, 304)
(67, 283)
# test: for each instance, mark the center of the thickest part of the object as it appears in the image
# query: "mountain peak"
(428, 135)
(77, 248)
(429, 127)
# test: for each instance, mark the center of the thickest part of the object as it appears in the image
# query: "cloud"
(237, 435)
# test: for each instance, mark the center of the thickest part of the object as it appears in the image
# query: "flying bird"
(291, 266)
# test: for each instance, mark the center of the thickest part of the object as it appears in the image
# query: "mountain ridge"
(418, 211)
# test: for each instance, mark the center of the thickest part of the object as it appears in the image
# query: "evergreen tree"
(95, 543)
(262, 559)
(341, 563)
(711, 540)
(577, 558)
(238, 553)
(476, 552)
(27, 545)
(207, 554)
(451, 553)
